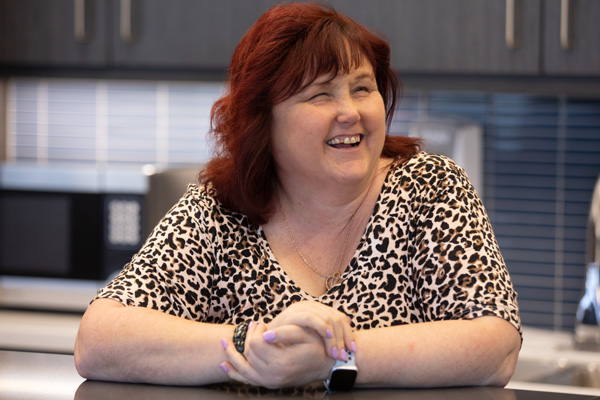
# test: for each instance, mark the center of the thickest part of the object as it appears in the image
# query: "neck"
(328, 206)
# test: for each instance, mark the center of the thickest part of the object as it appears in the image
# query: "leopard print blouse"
(428, 253)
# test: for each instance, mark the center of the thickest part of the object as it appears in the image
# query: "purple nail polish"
(223, 367)
(334, 352)
(343, 355)
(250, 324)
(329, 333)
(224, 344)
(353, 346)
(269, 336)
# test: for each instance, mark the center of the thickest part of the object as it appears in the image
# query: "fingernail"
(269, 336)
(250, 324)
(223, 367)
(353, 346)
(329, 333)
(224, 344)
(344, 355)
(334, 352)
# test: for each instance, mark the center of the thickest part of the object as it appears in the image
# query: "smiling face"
(331, 132)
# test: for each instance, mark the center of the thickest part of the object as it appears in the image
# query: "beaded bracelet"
(239, 336)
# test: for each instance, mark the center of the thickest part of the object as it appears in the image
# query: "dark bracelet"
(239, 336)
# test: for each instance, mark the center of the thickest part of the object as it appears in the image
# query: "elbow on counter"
(84, 357)
(502, 376)
(93, 350)
(504, 371)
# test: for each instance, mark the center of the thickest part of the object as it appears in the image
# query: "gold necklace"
(332, 279)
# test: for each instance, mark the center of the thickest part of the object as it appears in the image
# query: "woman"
(314, 238)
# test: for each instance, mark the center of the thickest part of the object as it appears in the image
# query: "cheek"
(375, 117)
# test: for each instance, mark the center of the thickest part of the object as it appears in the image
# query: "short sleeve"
(172, 271)
(459, 270)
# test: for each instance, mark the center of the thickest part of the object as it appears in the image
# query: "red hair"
(286, 49)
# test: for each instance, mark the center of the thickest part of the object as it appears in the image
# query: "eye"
(316, 96)
(362, 89)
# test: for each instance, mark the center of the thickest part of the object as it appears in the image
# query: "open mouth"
(344, 142)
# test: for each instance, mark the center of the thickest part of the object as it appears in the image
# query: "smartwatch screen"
(342, 380)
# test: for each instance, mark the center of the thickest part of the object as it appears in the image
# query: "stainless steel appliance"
(587, 324)
(459, 139)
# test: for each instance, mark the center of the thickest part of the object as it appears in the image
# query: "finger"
(320, 322)
(237, 367)
(349, 337)
(288, 334)
(343, 338)
(331, 324)
(257, 352)
(233, 374)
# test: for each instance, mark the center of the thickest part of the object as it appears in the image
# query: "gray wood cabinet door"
(53, 33)
(454, 36)
(572, 37)
(183, 33)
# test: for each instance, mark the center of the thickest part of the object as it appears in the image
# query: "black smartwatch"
(342, 375)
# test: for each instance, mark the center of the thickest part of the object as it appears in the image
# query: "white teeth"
(346, 140)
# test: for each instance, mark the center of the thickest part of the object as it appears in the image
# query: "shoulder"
(426, 172)
(212, 216)
(423, 165)
(202, 198)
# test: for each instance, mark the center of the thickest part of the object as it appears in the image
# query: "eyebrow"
(366, 75)
(327, 83)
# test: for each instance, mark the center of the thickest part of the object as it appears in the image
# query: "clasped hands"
(299, 346)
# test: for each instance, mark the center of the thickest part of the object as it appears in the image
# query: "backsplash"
(541, 160)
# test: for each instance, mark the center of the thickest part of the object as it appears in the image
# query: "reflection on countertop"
(104, 390)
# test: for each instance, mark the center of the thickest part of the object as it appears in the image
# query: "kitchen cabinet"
(454, 36)
(42, 33)
(124, 33)
(463, 37)
(571, 37)
(184, 34)
(499, 37)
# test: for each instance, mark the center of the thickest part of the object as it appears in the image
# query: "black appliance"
(65, 222)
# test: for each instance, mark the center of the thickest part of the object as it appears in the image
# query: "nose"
(348, 112)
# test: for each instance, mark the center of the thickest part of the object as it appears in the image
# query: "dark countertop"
(28, 375)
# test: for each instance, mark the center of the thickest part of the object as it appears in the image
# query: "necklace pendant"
(333, 280)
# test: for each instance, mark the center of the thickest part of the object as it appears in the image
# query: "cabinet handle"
(565, 37)
(125, 24)
(80, 32)
(510, 35)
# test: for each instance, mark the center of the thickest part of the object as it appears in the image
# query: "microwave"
(69, 223)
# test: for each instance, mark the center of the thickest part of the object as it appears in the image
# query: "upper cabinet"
(53, 33)
(484, 37)
(455, 36)
(571, 37)
(182, 33)
(124, 33)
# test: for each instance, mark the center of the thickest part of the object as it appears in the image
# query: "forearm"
(482, 351)
(134, 344)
